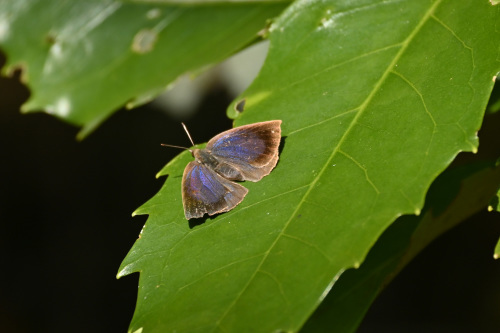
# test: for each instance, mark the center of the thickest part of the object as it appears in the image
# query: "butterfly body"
(206, 158)
(247, 152)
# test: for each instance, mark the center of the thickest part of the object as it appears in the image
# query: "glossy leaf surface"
(374, 106)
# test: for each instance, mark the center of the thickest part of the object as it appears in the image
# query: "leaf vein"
(217, 270)
(407, 81)
(97, 20)
(278, 283)
(467, 47)
(314, 246)
(444, 25)
(321, 122)
(472, 145)
(414, 206)
(337, 65)
(261, 201)
(362, 168)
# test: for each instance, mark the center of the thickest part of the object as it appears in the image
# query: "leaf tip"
(257, 98)
(28, 107)
(139, 211)
(121, 273)
(125, 270)
(85, 131)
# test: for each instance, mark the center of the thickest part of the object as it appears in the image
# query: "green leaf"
(453, 197)
(376, 98)
(84, 59)
(494, 205)
(496, 253)
(494, 103)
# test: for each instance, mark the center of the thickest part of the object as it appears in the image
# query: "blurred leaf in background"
(83, 60)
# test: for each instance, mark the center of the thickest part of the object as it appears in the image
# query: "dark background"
(66, 225)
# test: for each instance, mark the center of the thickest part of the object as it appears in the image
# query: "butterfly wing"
(204, 191)
(252, 149)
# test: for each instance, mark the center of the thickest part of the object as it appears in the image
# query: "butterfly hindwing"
(204, 191)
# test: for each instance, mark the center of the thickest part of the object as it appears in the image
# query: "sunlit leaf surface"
(495, 206)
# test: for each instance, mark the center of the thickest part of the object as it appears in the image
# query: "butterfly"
(247, 152)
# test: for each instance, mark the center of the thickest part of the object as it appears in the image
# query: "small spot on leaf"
(327, 20)
(144, 41)
(50, 38)
(153, 13)
(240, 106)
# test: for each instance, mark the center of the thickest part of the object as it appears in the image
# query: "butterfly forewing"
(250, 149)
(204, 191)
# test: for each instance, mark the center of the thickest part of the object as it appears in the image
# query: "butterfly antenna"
(185, 148)
(187, 132)
(167, 145)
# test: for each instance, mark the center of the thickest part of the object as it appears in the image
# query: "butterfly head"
(203, 156)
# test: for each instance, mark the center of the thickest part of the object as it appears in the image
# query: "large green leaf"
(376, 98)
(452, 198)
(496, 254)
(494, 104)
(84, 59)
(495, 206)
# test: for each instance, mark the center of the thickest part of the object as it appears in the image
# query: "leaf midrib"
(362, 108)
